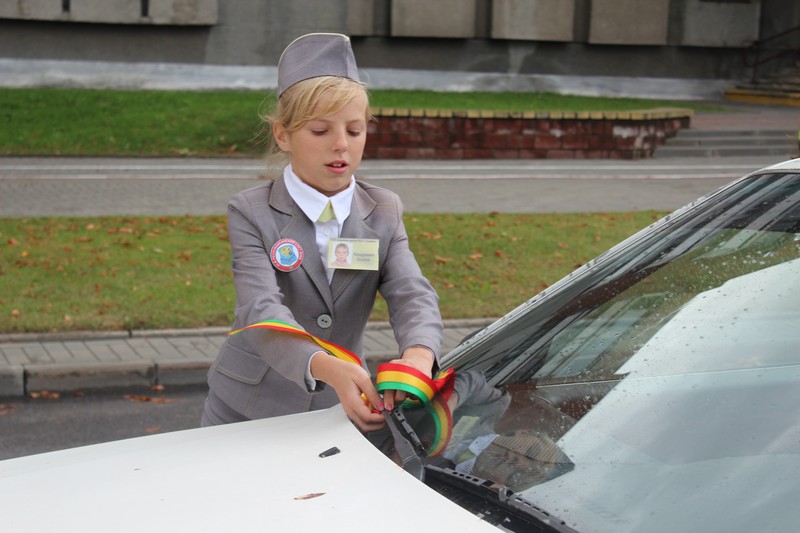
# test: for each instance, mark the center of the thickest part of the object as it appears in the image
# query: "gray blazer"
(261, 373)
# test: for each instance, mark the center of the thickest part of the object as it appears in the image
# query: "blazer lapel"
(355, 227)
(294, 224)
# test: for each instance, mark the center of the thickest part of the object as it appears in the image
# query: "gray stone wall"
(534, 20)
(720, 24)
(629, 22)
(181, 12)
(649, 38)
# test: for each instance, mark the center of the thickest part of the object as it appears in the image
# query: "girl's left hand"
(418, 357)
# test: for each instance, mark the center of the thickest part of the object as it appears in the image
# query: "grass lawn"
(112, 273)
(165, 123)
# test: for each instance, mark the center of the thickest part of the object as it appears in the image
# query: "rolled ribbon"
(397, 376)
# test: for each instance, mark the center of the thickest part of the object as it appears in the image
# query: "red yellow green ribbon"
(427, 392)
(396, 376)
(443, 423)
(277, 325)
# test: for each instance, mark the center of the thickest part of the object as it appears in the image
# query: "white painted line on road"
(374, 168)
(59, 177)
(574, 177)
(388, 177)
(119, 168)
(588, 166)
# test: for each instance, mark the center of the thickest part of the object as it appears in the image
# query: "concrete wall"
(533, 20)
(720, 24)
(434, 18)
(179, 12)
(629, 22)
(647, 38)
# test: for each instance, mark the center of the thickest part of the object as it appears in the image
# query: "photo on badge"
(353, 254)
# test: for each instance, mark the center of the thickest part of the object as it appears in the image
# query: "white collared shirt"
(312, 203)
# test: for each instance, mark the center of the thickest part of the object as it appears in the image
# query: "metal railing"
(758, 48)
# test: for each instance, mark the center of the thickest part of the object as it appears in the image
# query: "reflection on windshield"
(657, 389)
(591, 327)
(482, 441)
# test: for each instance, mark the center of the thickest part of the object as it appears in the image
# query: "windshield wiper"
(497, 504)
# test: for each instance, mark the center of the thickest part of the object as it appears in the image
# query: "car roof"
(791, 164)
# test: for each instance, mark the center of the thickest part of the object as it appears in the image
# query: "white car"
(656, 388)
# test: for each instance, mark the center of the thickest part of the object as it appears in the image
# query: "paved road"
(44, 424)
(97, 187)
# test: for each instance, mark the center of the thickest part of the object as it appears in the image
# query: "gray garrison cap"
(314, 55)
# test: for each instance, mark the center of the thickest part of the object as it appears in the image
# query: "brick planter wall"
(445, 134)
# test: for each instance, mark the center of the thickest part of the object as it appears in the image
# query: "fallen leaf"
(309, 496)
(162, 400)
(443, 260)
(499, 253)
(45, 395)
(8, 408)
(12, 242)
(137, 398)
(153, 429)
(148, 399)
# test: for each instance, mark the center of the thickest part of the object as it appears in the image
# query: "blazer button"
(324, 321)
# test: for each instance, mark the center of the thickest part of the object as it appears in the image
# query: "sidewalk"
(70, 362)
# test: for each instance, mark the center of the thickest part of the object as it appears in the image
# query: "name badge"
(353, 254)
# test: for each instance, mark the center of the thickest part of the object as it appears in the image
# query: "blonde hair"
(301, 103)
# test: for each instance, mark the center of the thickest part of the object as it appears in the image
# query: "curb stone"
(12, 380)
(172, 358)
(71, 377)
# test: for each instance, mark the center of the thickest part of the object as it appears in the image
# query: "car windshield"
(656, 389)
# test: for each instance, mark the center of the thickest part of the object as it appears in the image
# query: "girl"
(279, 234)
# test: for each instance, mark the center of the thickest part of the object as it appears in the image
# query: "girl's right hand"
(350, 381)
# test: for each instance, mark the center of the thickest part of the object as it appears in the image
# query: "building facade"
(647, 38)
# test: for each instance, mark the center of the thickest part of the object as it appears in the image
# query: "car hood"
(264, 474)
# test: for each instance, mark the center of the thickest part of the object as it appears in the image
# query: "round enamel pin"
(286, 255)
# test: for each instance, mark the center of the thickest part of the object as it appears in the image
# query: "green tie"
(327, 213)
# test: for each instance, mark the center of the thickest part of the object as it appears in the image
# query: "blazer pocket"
(244, 382)
(241, 366)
